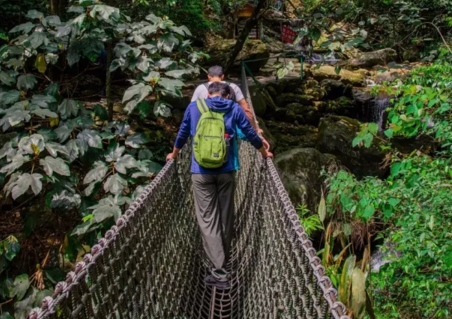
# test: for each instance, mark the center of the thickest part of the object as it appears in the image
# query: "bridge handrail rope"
(151, 263)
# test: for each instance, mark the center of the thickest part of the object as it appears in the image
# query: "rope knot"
(46, 303)
(35, 313)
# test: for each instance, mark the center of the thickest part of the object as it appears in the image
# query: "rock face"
(336, 134)
(371, 59)
(335, 89)
(300, 170)
(289, 136)
(354, 78)
(253, 49)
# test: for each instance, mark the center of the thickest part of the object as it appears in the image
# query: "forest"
(355, 103)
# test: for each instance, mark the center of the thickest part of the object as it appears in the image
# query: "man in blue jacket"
(214, 188)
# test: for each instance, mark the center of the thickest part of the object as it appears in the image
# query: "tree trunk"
(108, 81)
(58, 7)
(250, 24)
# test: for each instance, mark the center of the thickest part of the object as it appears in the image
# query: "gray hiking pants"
(214, 204)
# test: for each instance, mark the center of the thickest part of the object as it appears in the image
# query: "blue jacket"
(234, 117)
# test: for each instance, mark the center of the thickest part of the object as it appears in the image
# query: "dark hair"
(216, 71)
(219, 88)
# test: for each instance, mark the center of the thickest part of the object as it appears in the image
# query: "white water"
(377, 111)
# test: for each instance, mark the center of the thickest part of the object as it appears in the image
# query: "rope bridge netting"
(152, 263)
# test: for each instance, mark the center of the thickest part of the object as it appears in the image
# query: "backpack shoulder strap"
(202, 106)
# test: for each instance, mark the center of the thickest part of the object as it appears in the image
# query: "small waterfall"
(377, 111)
(316, 58)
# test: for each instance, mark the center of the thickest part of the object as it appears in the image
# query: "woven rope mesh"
(152, 264)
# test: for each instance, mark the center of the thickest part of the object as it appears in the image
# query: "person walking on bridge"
(216, 74)
(212, 123)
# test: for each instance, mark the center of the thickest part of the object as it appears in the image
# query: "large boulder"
(371, 59)
(335, 89)
(300, 171)
(219, 50)
(340, 106)
(287, 98)
(354, 78)
(336, 135)
(290, 135)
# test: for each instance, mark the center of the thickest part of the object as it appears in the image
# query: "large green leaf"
(53, 21)
(63, 31)
(115, 184)
(164, 63)
(56, 165)
(168, 42)
(8, 151)
(53, 89)
(34, 14)
(124, 163)
(43, 113)
(182, 30)
(107, 208)
(358, 294)
(17, 161)
(48, 134)
(65, 199)
(346, 279)
(136, 140)
(13, 117)
(43, 100)
(12, 248)
(101, 112)
(63, 133)
(139, 92)
(68, 108)
(160, 108)
(97, 174)
(170, 84)
(177, 74)
(105, 13)
(9, 97)
(25, 28)
(153, 18)
(73, 149)
(114, 152)
(89, 138)
(37, 39)
(20, 286)
(22, 308)
(7, 79)
(26, 82)
(55, 148)
(32, 144)
(24, 182)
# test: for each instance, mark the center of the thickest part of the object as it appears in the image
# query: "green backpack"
(209, 145)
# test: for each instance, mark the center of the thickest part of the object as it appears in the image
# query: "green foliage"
(68, 157)
(415, 200)
(310, 223)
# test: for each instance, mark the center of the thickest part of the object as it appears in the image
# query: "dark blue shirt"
(234, 117)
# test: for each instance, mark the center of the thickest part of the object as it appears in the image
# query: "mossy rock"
(371, 59)
(340, 106)
(336, 135)
(284, 99)
(354, 78)
(299, 170)
(334, 89)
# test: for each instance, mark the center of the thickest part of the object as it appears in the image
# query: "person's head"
(215, 74)
(219, 89)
